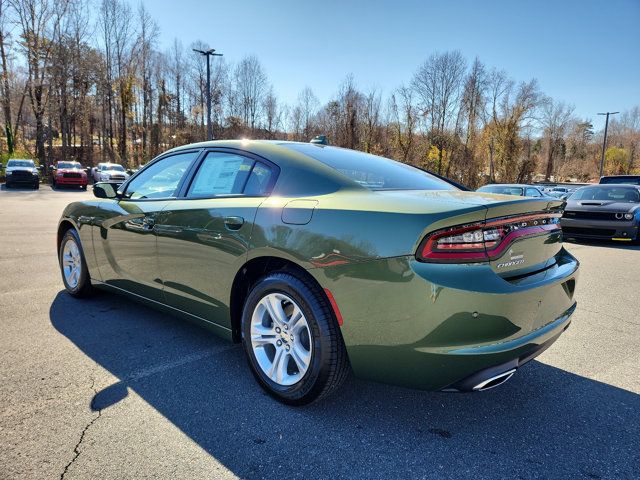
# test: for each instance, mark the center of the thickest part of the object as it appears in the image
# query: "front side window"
(162, 178)
(227, 174)
(533, 192)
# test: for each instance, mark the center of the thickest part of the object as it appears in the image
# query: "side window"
(161, 179)
(221, 174)
(532, 192)
(259, 180)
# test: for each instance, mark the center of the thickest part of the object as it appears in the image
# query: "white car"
(109, 172)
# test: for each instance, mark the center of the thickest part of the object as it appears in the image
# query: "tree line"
(86, 80)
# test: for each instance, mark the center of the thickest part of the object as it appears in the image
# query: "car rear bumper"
(437, 327)
(599, 229)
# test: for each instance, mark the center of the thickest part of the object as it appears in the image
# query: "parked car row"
(609, 210)
(25, 172)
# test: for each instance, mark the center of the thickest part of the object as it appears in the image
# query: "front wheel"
(73, 266)
(292, 340)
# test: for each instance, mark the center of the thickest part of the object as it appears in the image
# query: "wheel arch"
(249, 274)
(65, 225)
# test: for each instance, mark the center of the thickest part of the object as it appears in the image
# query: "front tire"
(73, 266)
(292, 341)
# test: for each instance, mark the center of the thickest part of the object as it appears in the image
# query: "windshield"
(371, 171)
(69, 165)
(618, 194)
(503, 189)
(114, 166)
(20, 163)
(630, 180)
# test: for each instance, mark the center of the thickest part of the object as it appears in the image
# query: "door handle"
(233, 223)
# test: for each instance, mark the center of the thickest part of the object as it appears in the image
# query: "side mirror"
(105, 190)
(40, 167)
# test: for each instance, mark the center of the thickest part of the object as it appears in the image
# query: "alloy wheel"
(281, 339)
(71, 263)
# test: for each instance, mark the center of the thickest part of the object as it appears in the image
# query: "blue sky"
(586, 52)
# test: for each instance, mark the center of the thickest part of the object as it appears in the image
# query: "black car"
(608, 212)
(22, 172)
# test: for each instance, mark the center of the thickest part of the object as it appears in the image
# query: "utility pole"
(208, 53)
(604, 142)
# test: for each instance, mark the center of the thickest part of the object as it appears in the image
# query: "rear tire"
(300, 364)
(73, 265)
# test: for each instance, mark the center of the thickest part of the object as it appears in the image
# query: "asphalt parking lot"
(106, 388)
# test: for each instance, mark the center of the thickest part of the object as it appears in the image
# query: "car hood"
(22, 169)
(602, 206)
(114, 172)
(71, 170)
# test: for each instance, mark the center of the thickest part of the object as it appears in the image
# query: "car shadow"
(544, 423)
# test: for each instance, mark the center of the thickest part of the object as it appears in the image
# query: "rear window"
(504, 190)
(629, 180)
(621, 194)
(371, 171)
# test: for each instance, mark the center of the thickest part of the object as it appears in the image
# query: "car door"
(203, 237)
(126, 247)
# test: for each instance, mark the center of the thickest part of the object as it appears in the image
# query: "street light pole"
(208, 53)
(604, 142)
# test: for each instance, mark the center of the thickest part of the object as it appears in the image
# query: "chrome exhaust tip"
(494, 381)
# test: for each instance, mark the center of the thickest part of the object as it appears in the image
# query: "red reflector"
(334, 306)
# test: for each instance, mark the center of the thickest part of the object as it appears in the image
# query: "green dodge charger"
(322, 260)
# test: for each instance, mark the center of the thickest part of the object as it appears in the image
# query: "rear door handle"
(233, 223)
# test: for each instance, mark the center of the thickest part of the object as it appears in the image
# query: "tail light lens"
(479, 242)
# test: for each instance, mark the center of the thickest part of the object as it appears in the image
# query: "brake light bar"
(483, 241)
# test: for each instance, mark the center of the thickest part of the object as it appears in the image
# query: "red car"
(69, 173)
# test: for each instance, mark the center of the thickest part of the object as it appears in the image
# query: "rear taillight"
(479, 242)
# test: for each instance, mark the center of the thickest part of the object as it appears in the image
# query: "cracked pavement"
(106, 388)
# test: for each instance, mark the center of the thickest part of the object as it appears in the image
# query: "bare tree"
(371, 124)
(40, 22)
(251, 86)
(308, 107)
(556, 118)
(438, 83)
(403, 120)
(147, 39)
(272, 113)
